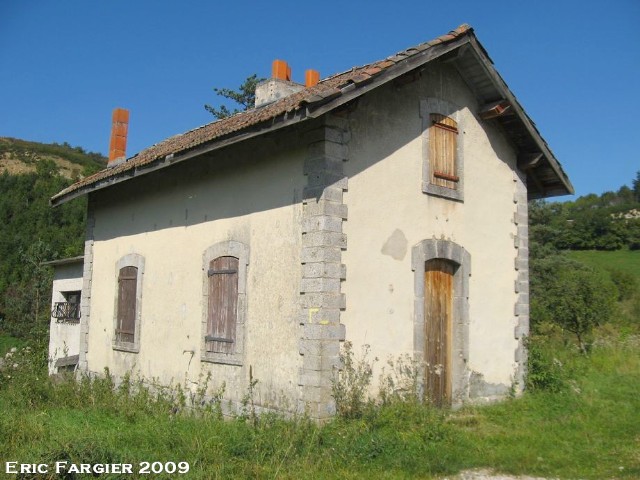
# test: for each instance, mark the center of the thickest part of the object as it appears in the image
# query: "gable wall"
(170, 220)
(389, 214)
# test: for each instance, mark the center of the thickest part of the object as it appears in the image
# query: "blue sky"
(574, 65)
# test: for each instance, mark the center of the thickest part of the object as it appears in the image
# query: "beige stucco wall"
(389, 214)
(171, 219)
(252, 194)
(64, 337)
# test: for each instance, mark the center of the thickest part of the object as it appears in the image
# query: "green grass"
(577, 433)
(590, 429)
(625, 260)
(7, 342)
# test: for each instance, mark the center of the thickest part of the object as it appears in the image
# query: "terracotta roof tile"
(324, 91)
(363, 77)
(372, 70)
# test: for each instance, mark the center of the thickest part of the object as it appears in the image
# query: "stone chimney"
(119, 130)
(280, 84)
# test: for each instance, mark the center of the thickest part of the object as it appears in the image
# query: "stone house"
(386, 206)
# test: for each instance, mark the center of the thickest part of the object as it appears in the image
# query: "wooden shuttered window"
(223, 305)
(443, 137)
(127, 293)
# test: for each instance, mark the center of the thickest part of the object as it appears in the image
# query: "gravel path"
(483, 474)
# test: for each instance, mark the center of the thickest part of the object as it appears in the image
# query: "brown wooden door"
(438, 311)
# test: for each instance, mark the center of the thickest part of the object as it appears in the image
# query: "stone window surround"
(427, 107)
(130, 260)
(240, 251)
(447, 250)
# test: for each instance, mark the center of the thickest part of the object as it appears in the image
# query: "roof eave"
(501, 86)
(274, 124)
(311, 110)
(64, 261)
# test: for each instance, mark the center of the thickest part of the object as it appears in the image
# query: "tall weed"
(350, 385)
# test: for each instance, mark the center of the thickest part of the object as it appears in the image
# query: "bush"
(625, 282)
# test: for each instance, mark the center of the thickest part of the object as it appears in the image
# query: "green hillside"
(31, 231)
(623, 260)
(22, 156)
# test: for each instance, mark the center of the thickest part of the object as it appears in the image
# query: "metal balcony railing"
(66, 312)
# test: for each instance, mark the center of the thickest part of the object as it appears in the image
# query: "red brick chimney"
(119, 129)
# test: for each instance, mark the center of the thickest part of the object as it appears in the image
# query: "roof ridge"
(327, 89)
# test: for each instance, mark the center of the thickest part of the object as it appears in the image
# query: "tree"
(571, 295)
(245, 96)
(33, 232)
(27, 302)
(636, 186)
(625, 195)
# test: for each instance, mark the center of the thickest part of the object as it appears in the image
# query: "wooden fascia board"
(502, 88)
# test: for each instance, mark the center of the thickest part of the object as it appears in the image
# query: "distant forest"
(610, 221)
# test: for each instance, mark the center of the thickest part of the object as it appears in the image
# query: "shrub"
(625, 282)
(350, 385)
(544, 371)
